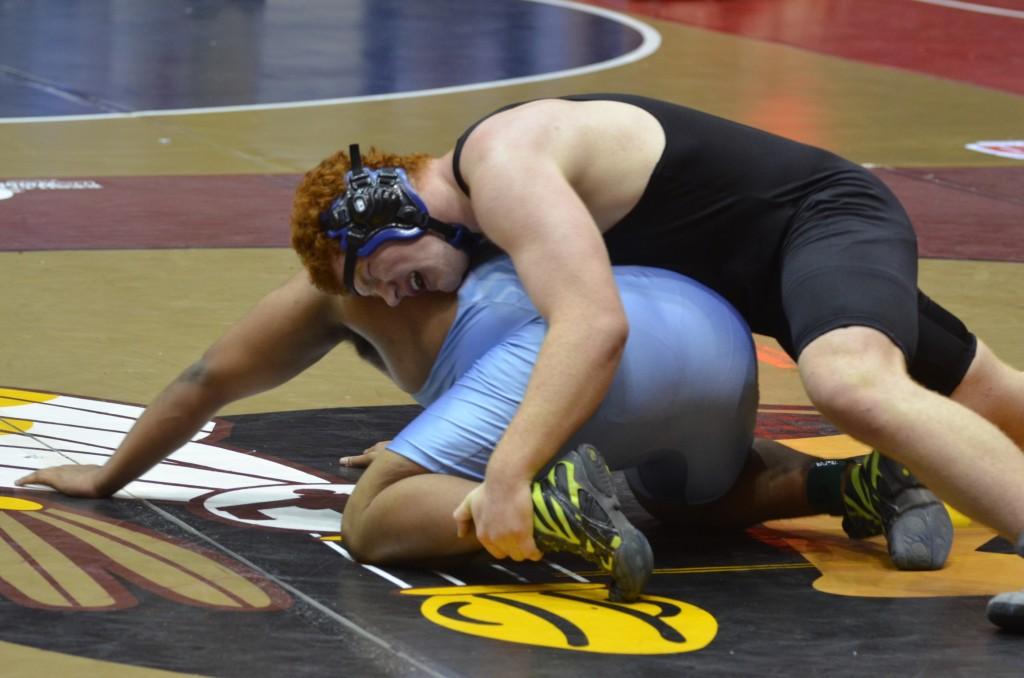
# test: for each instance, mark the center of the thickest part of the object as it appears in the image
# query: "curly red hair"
(319, 187)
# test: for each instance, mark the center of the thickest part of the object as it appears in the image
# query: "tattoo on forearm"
(194, 372)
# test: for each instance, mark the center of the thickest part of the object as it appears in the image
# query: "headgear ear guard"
(379, 206)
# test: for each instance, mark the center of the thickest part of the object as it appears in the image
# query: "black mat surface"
(328, 613)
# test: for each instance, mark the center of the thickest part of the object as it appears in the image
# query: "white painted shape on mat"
(1010, 148)
(269, 507)
(68, 436)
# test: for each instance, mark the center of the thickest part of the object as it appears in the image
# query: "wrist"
(506, 481)
(103, 484)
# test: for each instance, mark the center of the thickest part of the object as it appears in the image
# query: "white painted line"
(379, 572)
(975, 7)
(449, 578)
(651, 41)
(376, 570)
(21, 185)
(514, 575)
(568, 573)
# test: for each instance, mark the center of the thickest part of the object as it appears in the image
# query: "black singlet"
(719, 202)
(799, 240)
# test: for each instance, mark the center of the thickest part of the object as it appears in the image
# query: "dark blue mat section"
(63, 58)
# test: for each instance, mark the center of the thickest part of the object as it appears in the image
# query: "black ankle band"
(825, 486)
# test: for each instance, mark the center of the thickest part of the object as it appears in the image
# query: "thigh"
(995, 390)
(851, 261)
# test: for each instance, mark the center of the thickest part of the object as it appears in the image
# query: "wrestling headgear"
(380, 206)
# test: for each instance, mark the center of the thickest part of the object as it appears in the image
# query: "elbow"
(203, 377)
(609, 333)
(596, 337)
(620, 331)
(197, 390)
(211, 384)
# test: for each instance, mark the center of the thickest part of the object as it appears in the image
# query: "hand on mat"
(504, 523)
(366, 458)
(76, 480)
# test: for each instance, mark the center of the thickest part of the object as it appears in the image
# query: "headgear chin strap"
(380, 206)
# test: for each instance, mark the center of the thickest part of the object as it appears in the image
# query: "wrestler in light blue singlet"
(681, 406)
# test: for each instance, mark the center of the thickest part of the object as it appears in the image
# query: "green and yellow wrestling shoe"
(575, 510)
(881, 496)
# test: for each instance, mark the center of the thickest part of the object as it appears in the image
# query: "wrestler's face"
(400, 269)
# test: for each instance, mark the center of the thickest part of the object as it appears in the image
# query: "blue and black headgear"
(380, 206)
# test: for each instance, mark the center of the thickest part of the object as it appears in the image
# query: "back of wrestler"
(686, 386)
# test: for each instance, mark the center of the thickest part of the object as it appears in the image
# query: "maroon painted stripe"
(963, 213)
(959, 213)
(152, 213)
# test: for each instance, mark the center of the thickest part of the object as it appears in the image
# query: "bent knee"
(356, 539)
(852, 377)
(360, 543)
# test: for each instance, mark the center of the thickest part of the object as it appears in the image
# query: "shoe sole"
(920, 534)
(633, 560)
(1007, 611)
(921, 537)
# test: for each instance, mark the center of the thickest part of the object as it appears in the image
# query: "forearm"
(572, 374)
(176, 415)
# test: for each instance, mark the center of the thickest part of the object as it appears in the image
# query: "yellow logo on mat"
(10, 397)
(570, 617)
(13, 426)
(16, 504)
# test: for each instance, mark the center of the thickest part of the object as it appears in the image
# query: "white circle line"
(651, 41)
(976, 8)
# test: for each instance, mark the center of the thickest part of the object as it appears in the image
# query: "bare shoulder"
(603, 150)
(299, 299)
(577, 136)
(541, 122)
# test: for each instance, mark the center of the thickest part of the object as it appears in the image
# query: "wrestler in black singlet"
(799, 240)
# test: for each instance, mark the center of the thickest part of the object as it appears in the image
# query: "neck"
(436, 184)
(408, 336)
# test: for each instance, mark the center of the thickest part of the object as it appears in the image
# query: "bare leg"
(773, 484)
(857, 378)
(399, 512)
(994, 390)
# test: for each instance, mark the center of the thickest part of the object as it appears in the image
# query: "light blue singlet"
(686, 387)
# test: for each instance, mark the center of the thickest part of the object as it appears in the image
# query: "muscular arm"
(525, 202)
(286, 332)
